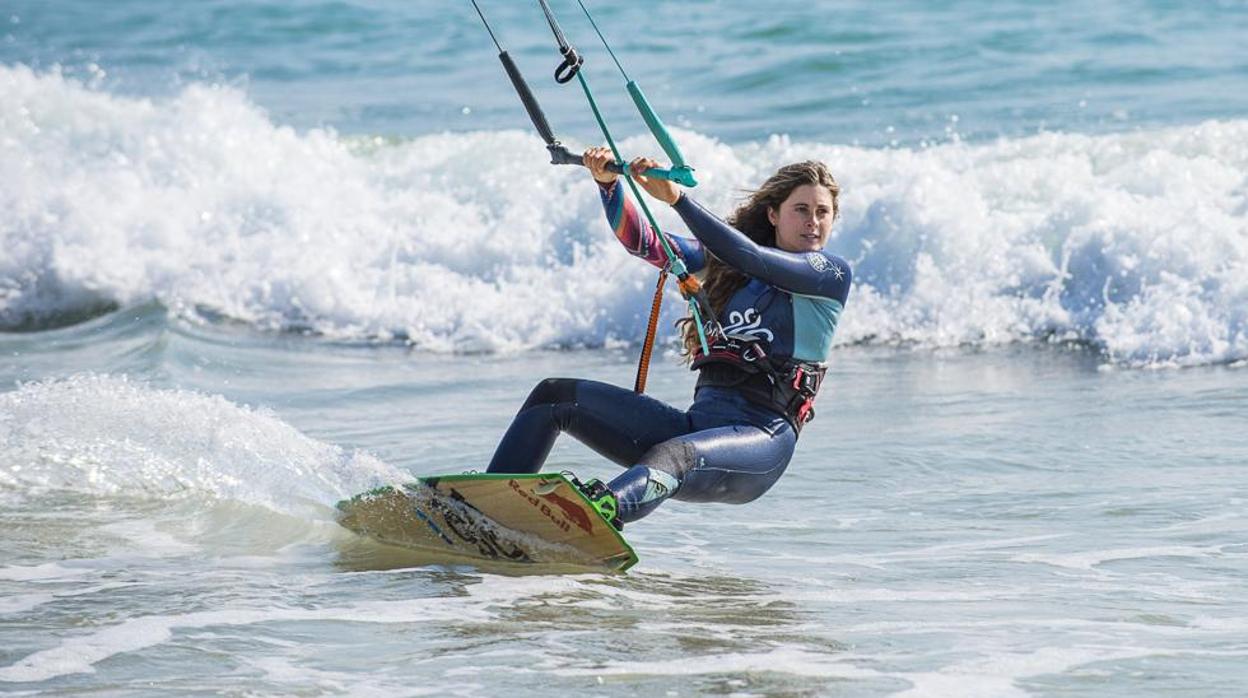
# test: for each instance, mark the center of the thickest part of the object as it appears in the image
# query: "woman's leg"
(615, 422)
(733, 464)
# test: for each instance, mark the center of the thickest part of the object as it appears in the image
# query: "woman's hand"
(661, 189)
(596, 160)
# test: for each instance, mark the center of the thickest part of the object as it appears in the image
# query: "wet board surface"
(521, 519)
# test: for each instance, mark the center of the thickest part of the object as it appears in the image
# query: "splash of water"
(110, 436)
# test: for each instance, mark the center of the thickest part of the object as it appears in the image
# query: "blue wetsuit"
(724, 448)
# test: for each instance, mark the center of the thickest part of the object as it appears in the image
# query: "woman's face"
(803, 220)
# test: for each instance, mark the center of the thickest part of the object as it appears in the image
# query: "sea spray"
(112, 436)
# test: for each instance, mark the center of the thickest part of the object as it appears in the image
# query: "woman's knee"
(552, 391)
(675, 457)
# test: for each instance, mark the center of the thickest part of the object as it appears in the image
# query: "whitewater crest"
(1136, 243)
(108, 435)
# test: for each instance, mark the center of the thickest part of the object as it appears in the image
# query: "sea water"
(256, 257)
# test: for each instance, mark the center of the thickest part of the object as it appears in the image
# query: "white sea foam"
(22, 603)
(79, 654)
(998, 674)
(780, 660)
(1134, 242)
(46, 571)
(109, 435)
(1090, 560)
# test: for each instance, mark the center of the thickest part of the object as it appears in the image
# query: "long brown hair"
(720, 280)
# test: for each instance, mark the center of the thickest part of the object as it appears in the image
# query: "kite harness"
(741, 362)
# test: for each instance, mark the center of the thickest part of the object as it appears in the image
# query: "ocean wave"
(1135, 243)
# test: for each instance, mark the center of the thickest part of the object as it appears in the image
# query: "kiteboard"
(523, 519)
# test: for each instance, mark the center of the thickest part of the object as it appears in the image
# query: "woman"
(777, 298)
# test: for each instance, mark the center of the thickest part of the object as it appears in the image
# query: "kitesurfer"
(777, 297)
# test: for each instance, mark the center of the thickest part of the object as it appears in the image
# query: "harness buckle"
(805, 381)
(753, 353)
(806, 411)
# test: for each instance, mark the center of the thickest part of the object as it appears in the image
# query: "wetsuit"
(725, 447)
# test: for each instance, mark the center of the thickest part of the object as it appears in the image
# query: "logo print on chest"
(748, 323)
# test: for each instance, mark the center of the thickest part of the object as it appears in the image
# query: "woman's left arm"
(805, 273)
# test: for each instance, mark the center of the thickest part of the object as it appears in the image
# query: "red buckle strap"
(806, 411)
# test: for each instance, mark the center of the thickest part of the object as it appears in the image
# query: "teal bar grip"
(679, 175)
(660, 133)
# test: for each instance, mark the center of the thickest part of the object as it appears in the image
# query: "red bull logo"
(572, 510)
(559, 521)
(568, 509)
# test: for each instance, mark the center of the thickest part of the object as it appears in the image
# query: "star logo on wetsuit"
(820, 263)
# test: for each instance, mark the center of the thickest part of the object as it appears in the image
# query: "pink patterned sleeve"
(638, 237)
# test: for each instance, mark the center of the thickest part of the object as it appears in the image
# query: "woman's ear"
(772, 216)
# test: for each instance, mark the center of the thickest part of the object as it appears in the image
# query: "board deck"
(522, 519)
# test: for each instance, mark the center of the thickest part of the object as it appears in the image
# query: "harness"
(741, 362)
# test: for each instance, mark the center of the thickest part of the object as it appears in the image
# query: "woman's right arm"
(635, 234)
(630, 228)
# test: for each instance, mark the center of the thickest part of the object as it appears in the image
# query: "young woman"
(777, 297)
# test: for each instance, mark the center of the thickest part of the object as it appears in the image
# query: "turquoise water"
(257, 257)
(837, 72)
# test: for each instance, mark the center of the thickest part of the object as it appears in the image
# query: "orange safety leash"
(647, 347)
(691, 289)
